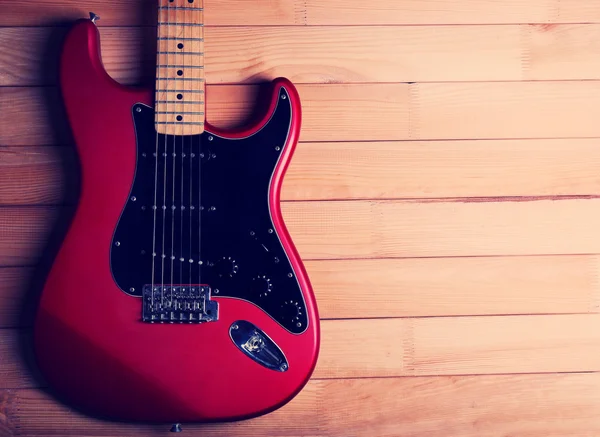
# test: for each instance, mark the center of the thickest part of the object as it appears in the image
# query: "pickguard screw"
(234, 326)
(298, 324)
(210, 138)
(290, 275)
(117, 243)
(278, 148)
(283, 367)
(216, 291)
(276, 260)
(283, 96)
(133, 198)
(270, 231)
(138, 109)
(132, 290)
(252, 233)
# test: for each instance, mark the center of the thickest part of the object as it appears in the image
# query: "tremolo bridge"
(178, 304)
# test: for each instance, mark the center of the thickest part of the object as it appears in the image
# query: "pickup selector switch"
(261, 286)
(226, 267)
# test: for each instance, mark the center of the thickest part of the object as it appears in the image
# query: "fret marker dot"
(179, 96)
(179, 118)
(179, 72)
(180, 46)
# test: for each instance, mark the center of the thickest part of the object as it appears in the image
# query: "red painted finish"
(90, 344)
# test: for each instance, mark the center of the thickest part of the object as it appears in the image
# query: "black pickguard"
(217, 228)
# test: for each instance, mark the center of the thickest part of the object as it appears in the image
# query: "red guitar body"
(92, 346)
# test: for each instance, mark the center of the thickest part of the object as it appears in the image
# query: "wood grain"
(363, 170)
(353, 112)
(388, 229)
(422, 287)
(313, 12)
(416, 347)
(531, 405)
(29, 56)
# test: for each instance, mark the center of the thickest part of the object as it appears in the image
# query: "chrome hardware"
(176, 428)
(254, 343)
(178, 304)
(94, 17)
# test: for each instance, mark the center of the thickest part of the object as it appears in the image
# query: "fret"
(179, 66)
(179, 38)
(180, 112)
(180, 122)
(179, 91)
(167, 23)
(180, 83)
(179, 102)
(182, 53)
(180, 8)
(180, 79)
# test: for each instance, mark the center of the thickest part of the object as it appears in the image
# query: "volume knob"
(226, 267)
(290, 311)
(261, 286)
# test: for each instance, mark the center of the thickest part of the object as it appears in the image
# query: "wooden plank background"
(445, 196)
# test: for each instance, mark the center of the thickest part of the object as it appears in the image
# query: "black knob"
(261, 286)
(226, 267)
(290, 311)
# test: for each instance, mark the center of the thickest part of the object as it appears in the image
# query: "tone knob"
(261, 286)
(226, 267)
(290, 311)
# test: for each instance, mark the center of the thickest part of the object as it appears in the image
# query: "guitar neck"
(180, 84)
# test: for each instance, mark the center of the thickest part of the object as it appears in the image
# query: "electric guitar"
(177, 294)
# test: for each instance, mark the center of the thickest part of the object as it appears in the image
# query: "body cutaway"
(194, 222)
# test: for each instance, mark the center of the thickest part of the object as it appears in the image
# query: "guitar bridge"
(178, 304)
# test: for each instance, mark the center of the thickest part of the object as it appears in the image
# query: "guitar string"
(190, 211)
(153, 255)
(164, 203)
(182, 258)
(200, 151)
(173, 206)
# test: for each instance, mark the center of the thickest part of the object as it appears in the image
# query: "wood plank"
(505, 110)
(363, 170)
(375, 229)
(353, 112)
(428, 346)
(404, 287)
(395, 53)
(313, 12)
(471, 406)
(447, 346)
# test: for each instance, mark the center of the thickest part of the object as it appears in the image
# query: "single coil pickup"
(178, 304)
